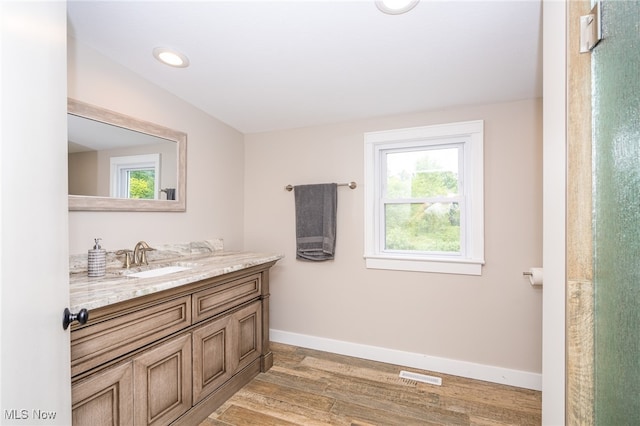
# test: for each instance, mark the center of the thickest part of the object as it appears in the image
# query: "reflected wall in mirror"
(119, 163)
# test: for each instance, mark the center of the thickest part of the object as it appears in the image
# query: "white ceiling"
(266, 65)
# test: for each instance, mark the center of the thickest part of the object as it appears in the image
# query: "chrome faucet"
(137, 256)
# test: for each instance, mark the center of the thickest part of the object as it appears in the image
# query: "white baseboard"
(488, 373)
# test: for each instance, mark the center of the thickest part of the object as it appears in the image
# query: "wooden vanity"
(175, 355)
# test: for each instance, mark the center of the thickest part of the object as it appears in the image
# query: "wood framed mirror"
(120, 163)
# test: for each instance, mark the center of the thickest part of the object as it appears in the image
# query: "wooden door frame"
(580, 287)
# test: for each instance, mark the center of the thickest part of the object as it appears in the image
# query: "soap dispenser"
(97, 260)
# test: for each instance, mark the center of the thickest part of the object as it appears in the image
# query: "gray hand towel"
(316, 221)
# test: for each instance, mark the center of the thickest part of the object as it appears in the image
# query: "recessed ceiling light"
(396, 7)
(171, 57)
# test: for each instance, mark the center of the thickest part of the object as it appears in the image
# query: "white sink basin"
(158, 272)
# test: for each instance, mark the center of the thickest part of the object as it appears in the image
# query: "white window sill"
(443, 266)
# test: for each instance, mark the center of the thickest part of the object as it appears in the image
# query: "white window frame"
(469, 135)
(120, 165)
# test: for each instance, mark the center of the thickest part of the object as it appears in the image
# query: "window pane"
(425, 227)
(141, 184)
(421, 174)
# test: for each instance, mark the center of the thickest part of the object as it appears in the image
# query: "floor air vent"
(421, 378)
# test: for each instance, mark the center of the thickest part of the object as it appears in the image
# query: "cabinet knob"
(67, 317)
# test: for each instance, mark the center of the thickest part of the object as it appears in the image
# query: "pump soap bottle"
(97, 260)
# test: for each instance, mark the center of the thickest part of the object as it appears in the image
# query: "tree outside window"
(142, 184)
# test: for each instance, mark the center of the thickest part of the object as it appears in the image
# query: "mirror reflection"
(117, 162)
(110, 161)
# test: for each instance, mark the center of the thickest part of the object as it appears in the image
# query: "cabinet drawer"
(208, 303)
(109, 339)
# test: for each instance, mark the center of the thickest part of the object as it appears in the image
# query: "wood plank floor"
(308, 387)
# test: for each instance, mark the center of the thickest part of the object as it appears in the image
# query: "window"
(135, 176)
(424, 199)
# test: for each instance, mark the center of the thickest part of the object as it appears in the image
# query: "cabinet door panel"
(249, 341)
(162, 381)
(106, 399)
(211, 361)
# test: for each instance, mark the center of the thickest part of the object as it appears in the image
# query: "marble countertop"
(116, 286)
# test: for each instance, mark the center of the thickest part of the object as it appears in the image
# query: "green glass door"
(616, 156)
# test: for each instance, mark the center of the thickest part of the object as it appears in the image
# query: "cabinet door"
(223, 347)
(105, 399)
(162, 382)
(211, 360)
(248, 338)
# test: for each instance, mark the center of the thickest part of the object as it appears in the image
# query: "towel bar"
(351, 185)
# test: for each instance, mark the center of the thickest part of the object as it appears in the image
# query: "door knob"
(67, 317)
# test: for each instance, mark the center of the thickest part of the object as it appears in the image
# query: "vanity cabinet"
(174, 356)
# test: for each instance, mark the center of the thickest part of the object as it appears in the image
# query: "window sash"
(382, 231)
(419, 147)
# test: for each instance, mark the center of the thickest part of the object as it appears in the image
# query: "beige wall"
(83, 175)
(214, 161)
(494, 319)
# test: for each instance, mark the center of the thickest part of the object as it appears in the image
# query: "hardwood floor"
(308, 387)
